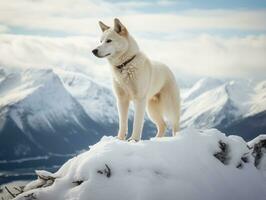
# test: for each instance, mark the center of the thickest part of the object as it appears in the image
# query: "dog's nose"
(95, 51)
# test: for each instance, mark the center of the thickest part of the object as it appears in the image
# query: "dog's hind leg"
(175, 126)
(170, 102)
(174, 115)
(156, 115)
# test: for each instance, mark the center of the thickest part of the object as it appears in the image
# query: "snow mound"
(193, 165)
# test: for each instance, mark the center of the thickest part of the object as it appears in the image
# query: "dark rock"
(223, 154)
(257, 151)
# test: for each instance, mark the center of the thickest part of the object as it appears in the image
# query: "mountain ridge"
(60, 103)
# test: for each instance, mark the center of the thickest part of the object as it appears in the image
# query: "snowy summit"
(194, 165)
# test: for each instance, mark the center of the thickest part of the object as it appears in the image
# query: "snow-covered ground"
(194, 165)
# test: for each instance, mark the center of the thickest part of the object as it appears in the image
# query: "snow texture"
(170, 168)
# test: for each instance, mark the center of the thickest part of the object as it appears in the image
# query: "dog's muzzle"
(95, 52)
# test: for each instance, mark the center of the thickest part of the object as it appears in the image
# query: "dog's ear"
(103, 26)
(119, 27)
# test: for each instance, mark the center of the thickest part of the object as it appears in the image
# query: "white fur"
(148, 84)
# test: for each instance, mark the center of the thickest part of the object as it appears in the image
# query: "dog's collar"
(120, 67)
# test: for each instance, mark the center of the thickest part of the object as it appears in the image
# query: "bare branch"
(108, 171)
(18, 189)
(30, 196)
(78, 182)
(10, 192)
(99, 172)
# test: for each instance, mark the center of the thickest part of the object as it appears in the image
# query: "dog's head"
(113, 40)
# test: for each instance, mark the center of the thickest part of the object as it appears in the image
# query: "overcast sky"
(200, 38)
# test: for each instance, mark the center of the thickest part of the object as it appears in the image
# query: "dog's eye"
(108, 41)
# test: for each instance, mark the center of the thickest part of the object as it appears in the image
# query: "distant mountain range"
(235, 107)
(58, 112)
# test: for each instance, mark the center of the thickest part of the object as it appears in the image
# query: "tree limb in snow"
(106, 171)
(20, 190)
(30, 196)
(13, 195)
(78, 182)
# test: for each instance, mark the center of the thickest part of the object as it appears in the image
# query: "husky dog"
(136, 78)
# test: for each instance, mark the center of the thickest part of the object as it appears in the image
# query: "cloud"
(168, 2)
(199, 20)
(131, 5)
(203, 55)
(70, 53)
(208, 55)
(197, 54)
(3, 29)
(81, 16)
(74, 16)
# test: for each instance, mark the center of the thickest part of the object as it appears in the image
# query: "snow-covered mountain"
(194, 165)
(38, 105)
(214, 103)
(44, 110)
(210, 103)
(97, 100)
(259, 99)
(201, 86)
(39, 116)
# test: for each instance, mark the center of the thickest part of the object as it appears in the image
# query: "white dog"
(138, 79)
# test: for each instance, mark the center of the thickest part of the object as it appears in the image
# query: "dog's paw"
(132, 140)
(119, 137)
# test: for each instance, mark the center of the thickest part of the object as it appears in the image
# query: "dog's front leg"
(122, 105)
(139, 105)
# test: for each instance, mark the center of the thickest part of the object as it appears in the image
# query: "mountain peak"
(19, 85)
(202, 86)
